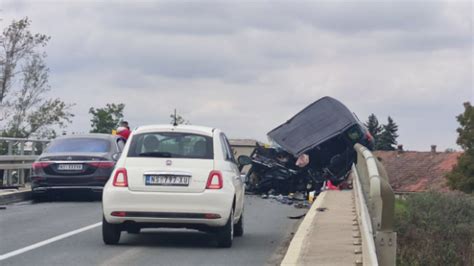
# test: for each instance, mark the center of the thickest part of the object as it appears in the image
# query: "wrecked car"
(312, 147)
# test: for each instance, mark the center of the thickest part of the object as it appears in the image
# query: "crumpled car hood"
(318, 122)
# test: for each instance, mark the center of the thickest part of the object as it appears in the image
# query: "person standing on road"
(124, 130)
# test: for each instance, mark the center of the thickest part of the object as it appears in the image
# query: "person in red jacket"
(124, 130)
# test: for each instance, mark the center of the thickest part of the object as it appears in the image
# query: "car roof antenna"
(175, 123)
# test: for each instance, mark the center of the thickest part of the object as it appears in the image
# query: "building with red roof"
(414, 171)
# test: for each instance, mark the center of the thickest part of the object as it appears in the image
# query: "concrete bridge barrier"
(375, 204)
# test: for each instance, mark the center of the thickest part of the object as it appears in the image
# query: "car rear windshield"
(79, 145)
(171, 145)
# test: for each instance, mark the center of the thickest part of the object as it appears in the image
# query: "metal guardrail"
(375, 203)
(16, 157)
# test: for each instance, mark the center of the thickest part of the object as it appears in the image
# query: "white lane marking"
(47, 241)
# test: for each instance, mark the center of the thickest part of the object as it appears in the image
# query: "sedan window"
(78, 145)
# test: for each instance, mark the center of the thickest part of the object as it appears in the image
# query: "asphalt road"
(267, 234)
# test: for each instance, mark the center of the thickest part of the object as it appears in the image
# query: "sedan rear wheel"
(110, 232)
(39, 197)
(225, 235)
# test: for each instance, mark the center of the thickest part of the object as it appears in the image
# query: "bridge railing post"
(10, 147)
(22, 148)
(44, 144)
(380, 201)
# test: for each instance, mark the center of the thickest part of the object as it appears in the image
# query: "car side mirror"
(244, 160)
(116, 156)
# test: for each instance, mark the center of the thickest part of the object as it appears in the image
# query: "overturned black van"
(324, 132)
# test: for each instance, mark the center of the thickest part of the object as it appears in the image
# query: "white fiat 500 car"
(175, 176)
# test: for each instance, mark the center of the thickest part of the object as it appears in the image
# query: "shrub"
(435, 229)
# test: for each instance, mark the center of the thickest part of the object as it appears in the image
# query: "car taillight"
(211, 216)
(102, 164)
(214, 181)
(119, 214)
(40, 165)
(120, 178)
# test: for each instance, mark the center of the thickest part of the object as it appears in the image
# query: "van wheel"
(110, 232)
(239, 227)
(225, 234)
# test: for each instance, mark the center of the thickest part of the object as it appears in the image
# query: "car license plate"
(70, 167)
(167, 180)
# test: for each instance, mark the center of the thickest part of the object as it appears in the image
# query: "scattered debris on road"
(297, 216)
(302, 205)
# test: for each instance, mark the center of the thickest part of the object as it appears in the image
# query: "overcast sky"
(247, 67)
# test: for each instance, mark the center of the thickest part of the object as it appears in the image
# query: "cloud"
(246, 67)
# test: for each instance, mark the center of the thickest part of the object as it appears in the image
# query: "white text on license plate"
(70, 167)
(167, 180)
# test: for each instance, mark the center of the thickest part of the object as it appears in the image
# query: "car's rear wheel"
(110, 232)
(239, 227)
(225, 235)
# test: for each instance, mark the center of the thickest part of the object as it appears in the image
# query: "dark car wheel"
(225, 234)
(239, 227)
(40, 197)
(110, 233)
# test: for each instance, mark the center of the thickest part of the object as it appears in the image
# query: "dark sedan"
(76, 162)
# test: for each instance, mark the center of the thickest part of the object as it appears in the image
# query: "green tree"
(24, 109)
(388, 137)
(373, 125)
(462, 175)
(106, 119)
(374, 128)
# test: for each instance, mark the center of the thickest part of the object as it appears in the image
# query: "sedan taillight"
(40, 165)
(120, 178)
(102, 164)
